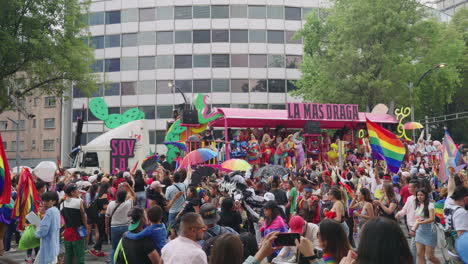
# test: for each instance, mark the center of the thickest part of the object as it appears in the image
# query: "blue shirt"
(157, 233)
(49, 233)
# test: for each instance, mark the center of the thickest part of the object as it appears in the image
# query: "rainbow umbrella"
(27, 199)
(181, 146)
(236, 165)
(198, 156)
(413, 125)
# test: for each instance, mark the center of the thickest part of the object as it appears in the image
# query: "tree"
(368, 52)
(41, 49)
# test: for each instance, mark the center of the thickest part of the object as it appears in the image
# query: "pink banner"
(315, 111)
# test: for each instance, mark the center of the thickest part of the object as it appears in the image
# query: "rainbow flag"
(27, 199)
(439, 211)
(385, 146)
(5, 177)
(451, 158)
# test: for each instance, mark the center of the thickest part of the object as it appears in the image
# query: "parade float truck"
(123, 147)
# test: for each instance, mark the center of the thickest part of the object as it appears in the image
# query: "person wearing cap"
(211, 218)
(139, 251)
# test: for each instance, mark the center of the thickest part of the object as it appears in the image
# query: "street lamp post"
(411, 88)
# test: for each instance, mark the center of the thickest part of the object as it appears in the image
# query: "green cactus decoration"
(99, 108)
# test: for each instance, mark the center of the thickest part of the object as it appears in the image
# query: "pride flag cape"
(450, 158)
(27, 199)
(5, 177)
(385, 146)
(439, 211)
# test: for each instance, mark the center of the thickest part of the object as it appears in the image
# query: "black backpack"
(92, 210)
(208, 244)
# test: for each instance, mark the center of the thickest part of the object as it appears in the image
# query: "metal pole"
(17, 137)
(411, 88)
(427, 126)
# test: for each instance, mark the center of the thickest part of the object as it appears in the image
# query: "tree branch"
(41, 84)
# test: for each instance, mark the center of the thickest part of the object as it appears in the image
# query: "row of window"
(194, 36)
(48, 123)
(192, 86)
(197, 61)
(47, 144)
(197, 12)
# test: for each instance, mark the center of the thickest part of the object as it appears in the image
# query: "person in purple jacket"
(273, 222)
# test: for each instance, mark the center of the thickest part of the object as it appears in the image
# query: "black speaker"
(312, 127)
(189, 117)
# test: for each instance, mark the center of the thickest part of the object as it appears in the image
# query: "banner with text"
(121, 150)
(316, 111)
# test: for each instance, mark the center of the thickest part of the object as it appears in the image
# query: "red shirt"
(404, 193)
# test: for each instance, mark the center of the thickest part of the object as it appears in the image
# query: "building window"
(201, 36)
(129, 15)
(239, 86)
(220, 35)
(147, 14)
(112, 65)
(275, 12)
(114, 110)
(259, 86)
(128, 63)
(239, 60)
(146, 63)
(49, 122)
(183, 12)
(164, 37)
(147, 38)
(36, 101)
(14, 146)
(183, 61)
(257, 12)
(128, 88)
(99, 92)
(307, 11)
(202, 86)
(240, 106)
(292, 13)
(201, 11)
(293, 61)
(185, 85)
(77, 93)
(112, 89)
(160, 135)
(96, 18)
(164, 111)
(22, 124)
(163, 87)
(97, 42)
(276, 36)
(220, 11)
(77, 113)
(275, 61)
(147, 87)
(50, 101)
(3, 125)
(164, 62)
(201, 61)
(257, 36)
(5, 145)
(112, 41)
(291, 39)
(258, 106)
(291, 85)
(278, 106)
(49, 144)
(258, 61)
(238, 11)
(34, 123)
(239, 36)
(33, 144)
(129, 40)
(183, 36)
(220, 85)
(97, 66)
(152, 136)
(220, 60)
(164, 13)
(149, 111)
(276, 86)
(113, 17)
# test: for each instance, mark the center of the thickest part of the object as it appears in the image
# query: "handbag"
(28, 239)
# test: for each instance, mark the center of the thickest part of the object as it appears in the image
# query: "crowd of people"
(354, 213)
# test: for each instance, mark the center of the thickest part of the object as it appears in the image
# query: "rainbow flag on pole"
(27, 199)
(451, 158)
(5, 177)
(385, 146)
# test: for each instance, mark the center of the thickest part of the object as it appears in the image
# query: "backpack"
(208, 243)
(92, 210)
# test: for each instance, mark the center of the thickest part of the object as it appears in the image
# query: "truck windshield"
(90, 159)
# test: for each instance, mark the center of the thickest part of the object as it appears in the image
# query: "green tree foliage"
(41, 49)
(368, 52)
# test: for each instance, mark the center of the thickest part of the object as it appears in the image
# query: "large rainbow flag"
(27, 199)
(451, 158)
(5, 177)
(385, 146)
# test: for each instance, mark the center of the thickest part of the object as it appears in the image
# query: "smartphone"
(286, 239)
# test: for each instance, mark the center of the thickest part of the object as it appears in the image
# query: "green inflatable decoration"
(99, 108)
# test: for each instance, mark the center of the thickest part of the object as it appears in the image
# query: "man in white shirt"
(184, 249)
(409, 210)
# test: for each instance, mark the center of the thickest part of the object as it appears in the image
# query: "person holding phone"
(273, 222)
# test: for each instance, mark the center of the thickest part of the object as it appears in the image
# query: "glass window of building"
(240, 105)
(275, 61)
(164, 111)
(147, 14)
(112, 41)
(258, 106)
(146, 63)
(114, 110)
(201, 36)
(308, 10)
(239, 36)
(150, 111)
(164, 62)
(183, 12)
(220, 11)
(202, 11)
(147, 87)
(164, 37)
(163, 87)
(76, 113)
(183, 36)
(278, 106)
(238, 11)
(276, 86)
(128, 88)
(50, 101)
(183, 61)
(184, 85)
(113, 17)
(97, 66)
(292, 13)
(96, 18)
(164, 13)
(99, 92)
(258, 61)
(201, 61)
(239, 60)
(275, 12)
(48, 144)
(160, 135)
(97, 42)
(111, 89)
(291, 85)
(112, 65)
(49, 122)
(239, 86)
(202, 86)
(220, 35)
(77, 93)
(152, 136)
(220, 60)
(291, 37)
(293, 61)
(91, 116)
(129, 40)
(220, 85)
(147, 38)
(257, 36)
(129, 15)
(275, 36)
(258, 12)
(128, 63)
(259, 86)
